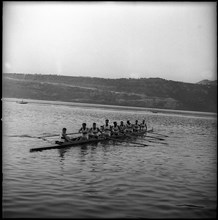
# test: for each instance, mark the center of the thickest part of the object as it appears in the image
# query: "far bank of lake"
(126, 108)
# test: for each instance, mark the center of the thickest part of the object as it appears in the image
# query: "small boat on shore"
(76, 142)
(154, 111)
(22, 102)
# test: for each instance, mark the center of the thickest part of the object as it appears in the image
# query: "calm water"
(175, 177)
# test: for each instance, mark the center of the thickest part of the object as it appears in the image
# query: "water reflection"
(83, 153)
(129, 181)
(62, 152)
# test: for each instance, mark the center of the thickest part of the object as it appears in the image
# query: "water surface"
(175, 177)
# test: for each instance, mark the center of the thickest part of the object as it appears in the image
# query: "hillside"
(207, 82)
(151, 93)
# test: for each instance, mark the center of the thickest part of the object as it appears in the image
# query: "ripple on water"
(111, 179)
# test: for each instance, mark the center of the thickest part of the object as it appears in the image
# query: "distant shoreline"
(152, 93)
(102, 106)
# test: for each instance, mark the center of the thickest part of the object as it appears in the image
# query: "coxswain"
(115, 129)
(106, 128)
(122, 127)
(129, 128)
(85, 131)
(136, 126)
(63, 136)
(143, 126)
(94, 131)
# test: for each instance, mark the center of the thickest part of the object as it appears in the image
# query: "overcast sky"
(174, 41)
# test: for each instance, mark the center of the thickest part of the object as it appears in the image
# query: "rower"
(63, 136)
(129, 128)
(143, 126)
(106, 128)
(122, 127)
(84, 130)
(136, 126)
(102, 128)
(94, 131)
(115, 129)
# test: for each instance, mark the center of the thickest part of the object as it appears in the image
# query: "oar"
(56, 135)
(134, 136)
(148, 140)
(51, 142)
(152, 131)
(156, 142)
(161, 139)
(114, 139)
(160, 134)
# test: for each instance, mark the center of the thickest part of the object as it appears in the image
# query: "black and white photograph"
(109, 109)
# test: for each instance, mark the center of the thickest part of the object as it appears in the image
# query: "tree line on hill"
(143, 92)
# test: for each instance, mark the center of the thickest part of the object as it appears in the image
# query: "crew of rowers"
(106, 130)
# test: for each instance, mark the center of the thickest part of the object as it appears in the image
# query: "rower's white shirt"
(84, 132)
(61, 135)
(128, 126)
(115, 129)
(136, 126)
(143, 126)
(107, 129)
(94, 131)
(122, 126)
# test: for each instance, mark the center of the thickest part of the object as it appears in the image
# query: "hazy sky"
(170, 40)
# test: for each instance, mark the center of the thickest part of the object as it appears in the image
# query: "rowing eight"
(75, 142)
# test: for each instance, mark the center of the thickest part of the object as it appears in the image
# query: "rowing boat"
(75, 142)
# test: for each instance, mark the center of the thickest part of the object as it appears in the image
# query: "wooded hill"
(143, 92)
